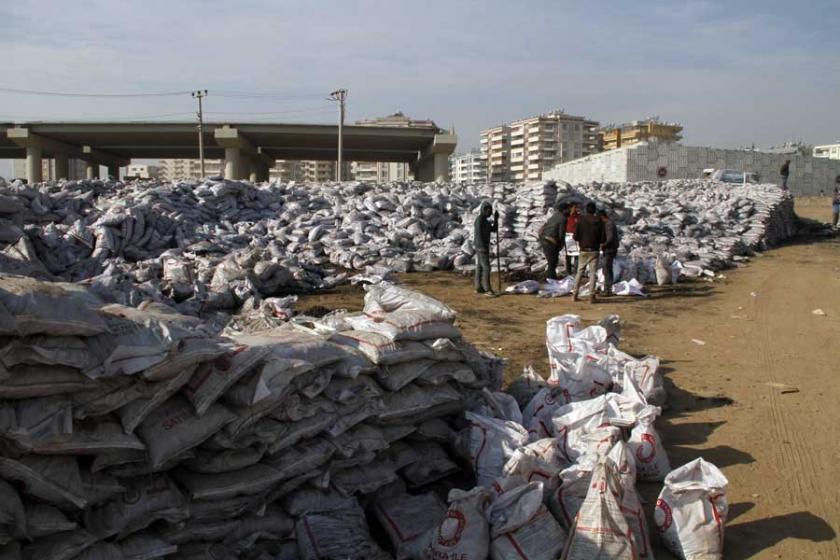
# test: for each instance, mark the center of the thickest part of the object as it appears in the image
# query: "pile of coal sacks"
(208, 247)
(136, 433)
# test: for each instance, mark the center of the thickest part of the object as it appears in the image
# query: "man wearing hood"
(553, 238)
(483, 228)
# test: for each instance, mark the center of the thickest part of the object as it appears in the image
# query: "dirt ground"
(753, 377)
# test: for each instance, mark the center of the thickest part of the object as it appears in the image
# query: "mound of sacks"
(556, 464)
(135, 433)
(209, 246)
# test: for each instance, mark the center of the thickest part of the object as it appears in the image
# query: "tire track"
(800, 459)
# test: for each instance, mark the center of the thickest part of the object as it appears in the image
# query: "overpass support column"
(433, 163)
(91, 170)
(62, 166)
(240, 153)
(34, 169)
(233, 164)
(114, 171)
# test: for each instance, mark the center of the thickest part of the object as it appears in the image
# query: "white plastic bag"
(600, 530)
(521, 528)
(691, 511)
(539, 461)
(490, 443)
(645, 372)
(464, 532)
(581, 376)
(651, 460)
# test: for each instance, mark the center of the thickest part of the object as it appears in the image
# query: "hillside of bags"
(208, 247)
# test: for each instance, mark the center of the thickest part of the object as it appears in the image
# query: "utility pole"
(199, 95)
(339, 95)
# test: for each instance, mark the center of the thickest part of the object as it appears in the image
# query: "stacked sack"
(133, 433)
(559, 477)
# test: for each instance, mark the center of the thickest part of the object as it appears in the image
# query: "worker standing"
(785, 173)
(610, 248)
(589, 233)
(572, 249)
(835, 207)
(552, 238)
(483, 228)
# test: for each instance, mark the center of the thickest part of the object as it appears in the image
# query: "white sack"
(521, 528)
(600, 531)
(490, 443)
(691, 511)
(651, 459)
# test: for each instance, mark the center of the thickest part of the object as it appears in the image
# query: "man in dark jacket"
(610, 248)
(483, 228)
(572, 216)
(785, 173)
(589, 234)
(553, 238)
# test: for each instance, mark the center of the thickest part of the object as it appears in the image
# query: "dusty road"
(760, 399)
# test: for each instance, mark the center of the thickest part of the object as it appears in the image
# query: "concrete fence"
(654, 161)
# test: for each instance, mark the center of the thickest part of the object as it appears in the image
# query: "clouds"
(732, 72)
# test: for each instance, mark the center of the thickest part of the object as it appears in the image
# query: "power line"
(93, 117)
(69, 94)
(301, 110)
(243, 95)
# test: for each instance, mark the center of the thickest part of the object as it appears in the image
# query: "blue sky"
(733, 73)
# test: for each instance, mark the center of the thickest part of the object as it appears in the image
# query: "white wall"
(640, 162)
(605, 166)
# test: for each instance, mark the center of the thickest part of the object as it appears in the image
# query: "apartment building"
(381, 171)
(830, 151)
(616, 136)
(142, 171)
(180, 169)
(522, 150)
(322, 171)
(495, 150)
(468, 168)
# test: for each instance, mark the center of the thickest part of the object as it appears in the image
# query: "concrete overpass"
(249, 149)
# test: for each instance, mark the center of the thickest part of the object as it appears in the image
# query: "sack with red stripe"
(631, 503)
(645, 372)
(540, 461)
(464, 532)
(600, 531)
(651, 460)
(691, 511)
(581, 377)
(521, 528)
(489, 443)
(573, 483)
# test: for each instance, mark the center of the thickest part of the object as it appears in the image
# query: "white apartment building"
(495, 150)
(468, 168)
(142, 171)
(830, 151)
(180, 169)
(283, 170)
(381, 171)
(522, 150)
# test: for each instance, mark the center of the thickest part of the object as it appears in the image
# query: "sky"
(733, 73)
